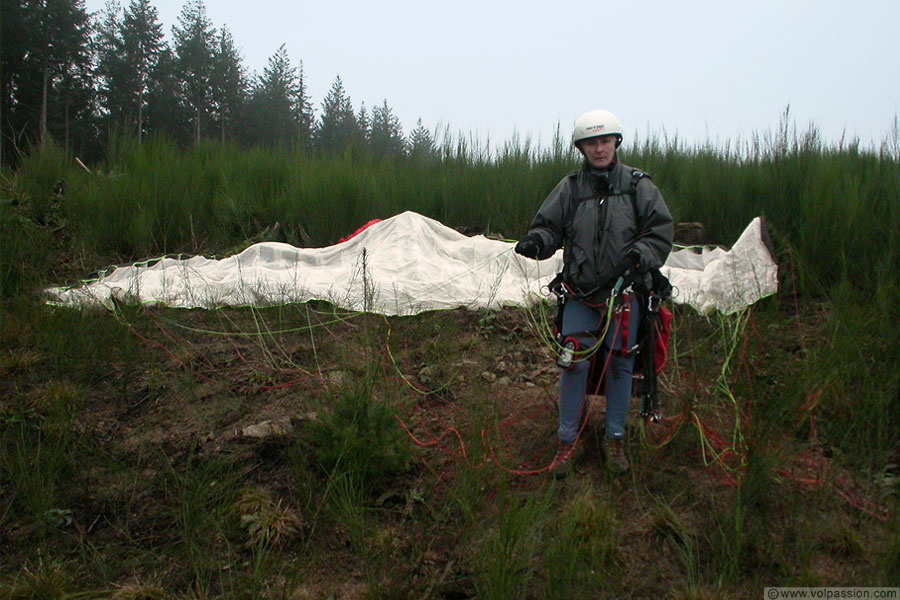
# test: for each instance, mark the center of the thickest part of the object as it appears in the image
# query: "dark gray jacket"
(592, 218)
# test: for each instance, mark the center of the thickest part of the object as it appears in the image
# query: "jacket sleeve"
(657, 229)
(549, 221)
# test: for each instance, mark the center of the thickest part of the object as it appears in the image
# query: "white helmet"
(595, 123)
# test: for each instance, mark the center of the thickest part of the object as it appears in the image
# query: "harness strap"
(625, 317)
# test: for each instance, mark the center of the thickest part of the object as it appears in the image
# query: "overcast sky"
(704, 69)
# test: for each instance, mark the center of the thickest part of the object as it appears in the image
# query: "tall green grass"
(836, 205)
(156, 198)
(201, 495)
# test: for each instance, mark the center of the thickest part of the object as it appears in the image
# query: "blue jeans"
(584, 322)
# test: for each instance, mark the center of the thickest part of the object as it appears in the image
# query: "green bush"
(358, 438)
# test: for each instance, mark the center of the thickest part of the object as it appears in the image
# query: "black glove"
(530, 246)
(628, 269)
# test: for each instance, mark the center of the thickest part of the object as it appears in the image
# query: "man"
(614, 227)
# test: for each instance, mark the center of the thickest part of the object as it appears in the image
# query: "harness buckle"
(567, 353)
(650, 409)
(621, 304)
(655, 416)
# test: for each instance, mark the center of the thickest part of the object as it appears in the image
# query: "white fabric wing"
(725, 281)
(406, 265)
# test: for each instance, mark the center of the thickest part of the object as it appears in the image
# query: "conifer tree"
(421, 142)
(111, 93)
(194, 44)
(166, 113)
(72, 113)
(228, 83)
(279, 107)
(305, 109)
(129, 53)
(386, 136)
(143, 41)
(46, 74)
(337, 129)
(363, 122)
(13, 53)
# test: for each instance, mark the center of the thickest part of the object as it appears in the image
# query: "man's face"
(600, 151)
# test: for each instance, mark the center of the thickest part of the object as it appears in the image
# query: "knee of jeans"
(624, 364)
(578, 367)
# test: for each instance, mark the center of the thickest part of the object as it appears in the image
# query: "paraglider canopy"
(409, 264)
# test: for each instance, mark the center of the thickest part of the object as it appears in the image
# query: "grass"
(582, 546)
(346, 493)
(125, 472)
(510, 544)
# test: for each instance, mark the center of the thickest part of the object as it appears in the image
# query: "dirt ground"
(475, 396)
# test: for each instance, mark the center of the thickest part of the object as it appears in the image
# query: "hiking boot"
(565, 458)
(614, 451)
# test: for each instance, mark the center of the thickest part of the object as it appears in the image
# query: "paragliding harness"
(651, 349)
